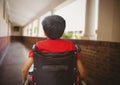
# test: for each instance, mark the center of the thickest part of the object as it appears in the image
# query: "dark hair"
(54, 26)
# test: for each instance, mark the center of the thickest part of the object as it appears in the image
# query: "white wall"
(4, 28)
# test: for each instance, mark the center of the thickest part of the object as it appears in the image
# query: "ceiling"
(22, 12)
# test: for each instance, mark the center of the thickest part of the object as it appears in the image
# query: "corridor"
(10, 70)
(92, 24)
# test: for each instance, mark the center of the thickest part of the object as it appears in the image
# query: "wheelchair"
(54, 68)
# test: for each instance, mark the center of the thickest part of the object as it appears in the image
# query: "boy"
(53, 27)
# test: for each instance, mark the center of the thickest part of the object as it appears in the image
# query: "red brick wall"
(101, 60)
(4, 41)
(29, 41)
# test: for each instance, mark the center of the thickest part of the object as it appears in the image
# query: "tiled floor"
(10, 70)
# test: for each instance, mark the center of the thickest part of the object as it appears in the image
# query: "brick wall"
(101, 60)
(4, 41)
(29, 41)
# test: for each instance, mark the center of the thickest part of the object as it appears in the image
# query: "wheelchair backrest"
(54, 68)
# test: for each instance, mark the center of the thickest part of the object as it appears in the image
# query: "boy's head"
(53, 26)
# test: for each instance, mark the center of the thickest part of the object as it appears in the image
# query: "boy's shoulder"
(54, 42)
(59, 45)
(57, 40)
